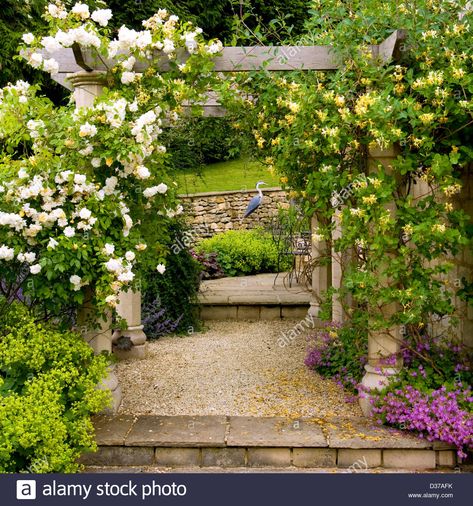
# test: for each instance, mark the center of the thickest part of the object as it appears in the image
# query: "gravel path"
(233, 368)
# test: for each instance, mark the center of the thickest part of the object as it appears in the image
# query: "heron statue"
(255, 202)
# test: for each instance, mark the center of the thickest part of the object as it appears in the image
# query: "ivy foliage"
(169, 299)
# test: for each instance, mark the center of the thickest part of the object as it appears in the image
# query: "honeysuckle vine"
(317, 130)
(86, 197)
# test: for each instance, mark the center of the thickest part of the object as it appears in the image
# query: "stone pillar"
(87, 86)
(129, 308)
(386, 342)
(321, 274)
(337, 269)
(464, 261)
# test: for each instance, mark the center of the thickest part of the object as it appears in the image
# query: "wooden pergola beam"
(234, 59)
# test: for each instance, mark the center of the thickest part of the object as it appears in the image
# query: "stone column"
(386, 342)
(321, 274)
(337, 269)
(87, 86)
(129, 308)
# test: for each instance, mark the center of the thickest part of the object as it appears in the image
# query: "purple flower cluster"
(155, 322)
(437, 415)
(332, 352)
(320, 344)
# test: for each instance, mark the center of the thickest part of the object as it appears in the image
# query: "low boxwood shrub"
(48, 392)
(244, 252)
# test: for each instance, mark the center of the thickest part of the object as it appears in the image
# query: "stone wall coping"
(227, 192)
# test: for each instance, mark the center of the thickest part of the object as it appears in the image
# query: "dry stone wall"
(214, 212)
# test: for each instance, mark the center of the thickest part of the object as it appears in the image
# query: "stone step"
(203, 442)
(260, 297)
(252, 312)
(252, 470)
(253, 298)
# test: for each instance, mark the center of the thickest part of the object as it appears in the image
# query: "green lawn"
(232, 175)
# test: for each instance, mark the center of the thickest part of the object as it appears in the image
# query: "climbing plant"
(317, 130)
(86, 200)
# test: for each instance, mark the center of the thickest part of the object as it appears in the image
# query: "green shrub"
(244, 252)
(48, 391)
(199, 141)
(169, 298)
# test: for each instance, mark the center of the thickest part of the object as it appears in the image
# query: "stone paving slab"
(112, 430)
(248, 297)
(285, 299)
(349, 433)
(221, 431)
(257, 290)
(178, 431)
(251, 470)
(274, 432)
(267, 280)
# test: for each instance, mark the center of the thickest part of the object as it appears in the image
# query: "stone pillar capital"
(87, 86)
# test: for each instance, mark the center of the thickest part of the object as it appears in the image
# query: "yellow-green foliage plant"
(48, 392)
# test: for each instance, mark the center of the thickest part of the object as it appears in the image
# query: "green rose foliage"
(322, 130)
(245, 252)
(48, 390)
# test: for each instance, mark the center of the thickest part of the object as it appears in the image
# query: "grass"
(231, 175)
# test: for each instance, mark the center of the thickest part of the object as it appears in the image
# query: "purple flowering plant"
(339, 353)
(431, 395)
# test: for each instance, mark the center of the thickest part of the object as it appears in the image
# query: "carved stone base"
(374, 379)
(136, 352)
(111, 383)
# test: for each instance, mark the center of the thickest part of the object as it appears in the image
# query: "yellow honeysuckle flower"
(371, 199)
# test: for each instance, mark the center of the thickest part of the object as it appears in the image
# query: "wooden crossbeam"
(232, 59)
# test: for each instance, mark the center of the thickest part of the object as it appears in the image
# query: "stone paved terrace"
(264, 296)
(244, 442)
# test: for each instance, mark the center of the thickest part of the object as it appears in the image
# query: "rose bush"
(86, 199)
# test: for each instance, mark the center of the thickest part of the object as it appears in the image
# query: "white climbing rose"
(87, 130)
(128, 77)
(28, 38)
(161, 268)
(51, 66)
(35, 269)
(81, 10)
(102, 16)
(142, 172)
(85, 213)
(80, 178)
(108, 249)
(6, 253)
(114, 265)
(69, 232)
(162, 188)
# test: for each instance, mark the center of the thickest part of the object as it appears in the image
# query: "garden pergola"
(84, 73)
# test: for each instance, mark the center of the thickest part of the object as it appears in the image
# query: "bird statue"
(255, 202)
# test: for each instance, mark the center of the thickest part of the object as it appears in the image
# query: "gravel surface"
(233, 368)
